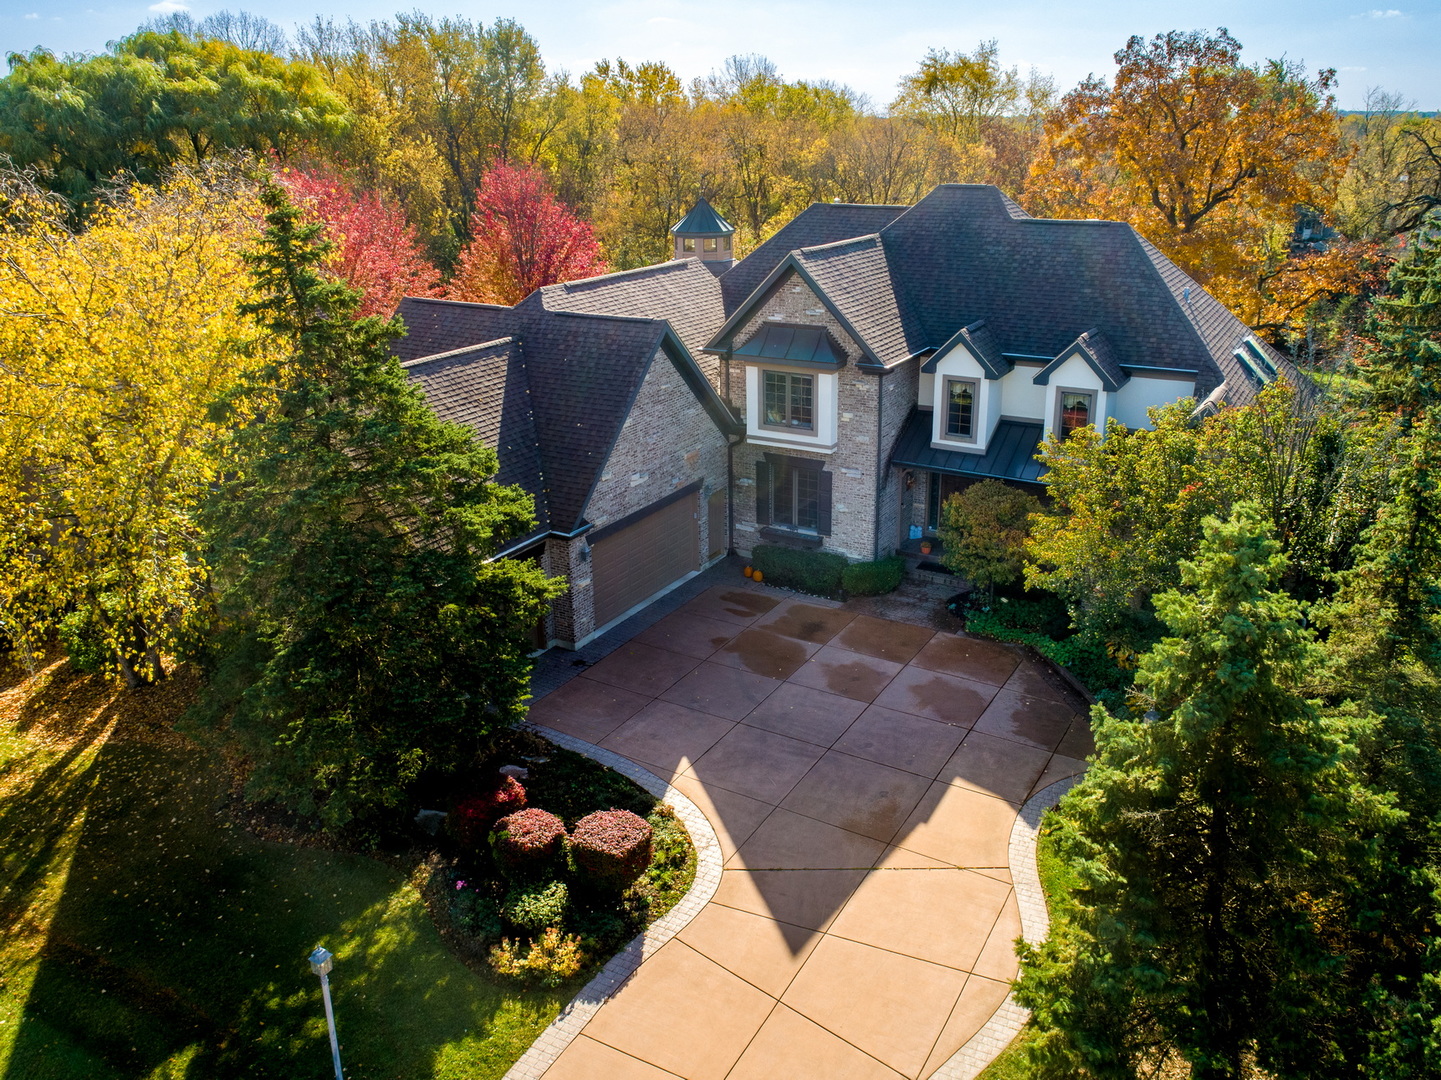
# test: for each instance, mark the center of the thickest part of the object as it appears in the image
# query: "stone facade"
(855, 463)
(668, 441)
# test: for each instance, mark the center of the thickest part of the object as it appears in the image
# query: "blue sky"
(868, 44)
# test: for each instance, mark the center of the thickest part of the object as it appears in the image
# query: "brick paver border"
(565, 1027)
(1006, 1022)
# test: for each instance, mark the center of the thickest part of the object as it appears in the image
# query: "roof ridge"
(669, 266)
(457, 303)
(874, 237)
(509, 339)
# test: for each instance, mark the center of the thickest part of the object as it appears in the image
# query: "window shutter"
(763, 493)
(823, 525)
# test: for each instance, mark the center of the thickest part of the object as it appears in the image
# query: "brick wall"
(667, 442)
(898, 394)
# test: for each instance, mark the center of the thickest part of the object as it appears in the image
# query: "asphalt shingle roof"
(819, 223)
(857, 277)
(684, 293)
(579, 373)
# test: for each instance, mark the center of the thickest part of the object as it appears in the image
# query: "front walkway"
(863, 776)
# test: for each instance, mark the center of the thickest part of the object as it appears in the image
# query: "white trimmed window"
(789, 403)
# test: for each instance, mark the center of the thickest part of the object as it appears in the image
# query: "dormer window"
(688, 244)
(789, 401)
(961, 409)
(1077, 408)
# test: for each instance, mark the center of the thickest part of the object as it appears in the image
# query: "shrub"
(476, 915)
(550, 960)
(525, 842)
(816, 572)
(984, 530)
(534, 907)
(611, 848)
(472, 820)
(874, 578)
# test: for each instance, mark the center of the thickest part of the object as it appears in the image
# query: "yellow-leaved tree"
(114, 342)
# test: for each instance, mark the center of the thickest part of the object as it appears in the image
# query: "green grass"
(1057, 880)
(143, 934)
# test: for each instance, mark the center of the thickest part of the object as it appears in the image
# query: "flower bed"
(553, 890)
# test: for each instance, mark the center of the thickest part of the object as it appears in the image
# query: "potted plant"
(925, 547)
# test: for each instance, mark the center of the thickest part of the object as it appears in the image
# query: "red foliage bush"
(472, 820)
(611, 847)
(526, 840)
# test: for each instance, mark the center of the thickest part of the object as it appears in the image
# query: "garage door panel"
(640, 560)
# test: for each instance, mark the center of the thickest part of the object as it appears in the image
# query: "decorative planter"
(925, 547)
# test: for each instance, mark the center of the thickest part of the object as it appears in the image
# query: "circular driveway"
(862, 776)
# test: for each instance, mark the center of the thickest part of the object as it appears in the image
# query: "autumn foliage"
(1209, 159)
(376, 249)
(523, 238)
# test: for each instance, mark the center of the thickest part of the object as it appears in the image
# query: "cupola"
(703, 234)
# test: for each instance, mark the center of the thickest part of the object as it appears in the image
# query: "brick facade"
(668, 441)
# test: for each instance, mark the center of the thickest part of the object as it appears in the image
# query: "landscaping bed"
(543, 876)
(1039, 619)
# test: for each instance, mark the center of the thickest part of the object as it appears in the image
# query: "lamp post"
(321, 961)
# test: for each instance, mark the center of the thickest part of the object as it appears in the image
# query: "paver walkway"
(863, 776)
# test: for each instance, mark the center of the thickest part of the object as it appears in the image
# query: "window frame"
(710, 244)
(789, 486)
(687, 243)
(789, 377)
(975, 385)
(1093, 397)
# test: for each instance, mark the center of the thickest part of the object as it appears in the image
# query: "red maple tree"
(523, 238)
(377, 250)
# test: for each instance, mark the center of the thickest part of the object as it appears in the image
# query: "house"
(828, 391)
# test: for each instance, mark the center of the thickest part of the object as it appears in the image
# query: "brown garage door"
(640, 560)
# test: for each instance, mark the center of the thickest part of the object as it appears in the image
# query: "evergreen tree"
(1209, 841)
(378, 638)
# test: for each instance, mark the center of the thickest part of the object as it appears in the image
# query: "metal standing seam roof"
(795, 344)
(1010, 454)
(703, 220)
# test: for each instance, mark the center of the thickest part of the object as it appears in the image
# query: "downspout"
(880, 480)
(731, 494)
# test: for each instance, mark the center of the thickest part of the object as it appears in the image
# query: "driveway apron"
(862, 776)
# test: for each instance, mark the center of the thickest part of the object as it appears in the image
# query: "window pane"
(710, 244)
(783, 510)
(960, 415)
(775, 399)
(807, 485)
(1075, 412)
(800, 401)
(687, 245)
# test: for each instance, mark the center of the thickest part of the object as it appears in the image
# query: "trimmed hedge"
(472, 820)
(874, 578)
(525, 842)
(816, 572)
(611, 848)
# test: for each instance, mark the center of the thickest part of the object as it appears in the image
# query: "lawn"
(142, 934)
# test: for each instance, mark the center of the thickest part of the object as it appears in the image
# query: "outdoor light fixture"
(321, 961)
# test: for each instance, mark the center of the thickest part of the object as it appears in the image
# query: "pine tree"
(377, 637)
(1209, 840)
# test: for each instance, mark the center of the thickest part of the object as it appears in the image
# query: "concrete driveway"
(863, 776)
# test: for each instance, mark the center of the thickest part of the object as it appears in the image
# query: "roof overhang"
(964, 339)
(1112, 378)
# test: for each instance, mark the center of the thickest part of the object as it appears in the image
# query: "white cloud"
(1377, 13)
(33, 15)
(167, 7)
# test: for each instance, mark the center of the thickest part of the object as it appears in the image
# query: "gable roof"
(579, 374)
(980, 343)
(1093, 348)
(683, 292)
(817, 224)
(702, 220)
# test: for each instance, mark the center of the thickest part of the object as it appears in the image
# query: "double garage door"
(640, 558)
